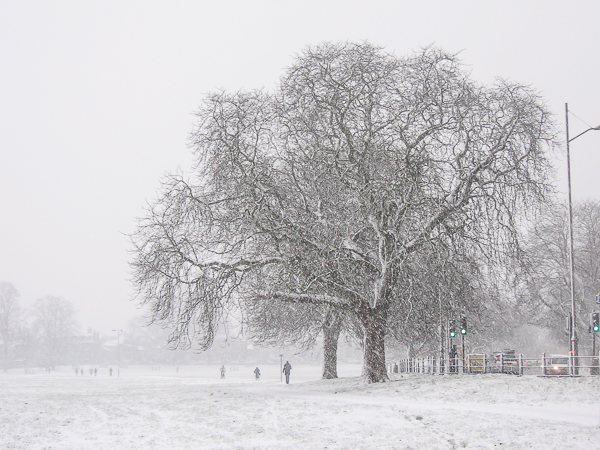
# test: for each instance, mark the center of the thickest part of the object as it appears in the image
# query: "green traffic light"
(452, 334)
(463, 331)
(596, 328)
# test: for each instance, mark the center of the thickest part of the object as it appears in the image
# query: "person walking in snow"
(223, 371)
(257, 373)
(287, 368)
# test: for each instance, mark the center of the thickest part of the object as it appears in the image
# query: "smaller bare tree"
(549, 280)
(9, 318)
(55, 322)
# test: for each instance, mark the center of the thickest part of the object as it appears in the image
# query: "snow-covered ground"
(192, 408)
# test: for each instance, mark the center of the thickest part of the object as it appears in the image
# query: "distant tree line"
(38, 337)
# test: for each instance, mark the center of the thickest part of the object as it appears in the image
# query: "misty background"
(97, 102)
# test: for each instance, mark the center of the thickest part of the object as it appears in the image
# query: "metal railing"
(547, 365)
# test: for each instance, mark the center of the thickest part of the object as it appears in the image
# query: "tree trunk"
(374, 369)
(331, 333)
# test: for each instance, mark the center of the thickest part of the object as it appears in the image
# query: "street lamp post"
(118, 354)
(574, 346)
(280, 367)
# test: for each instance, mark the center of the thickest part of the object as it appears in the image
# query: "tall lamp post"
(118, 354)
(574, 349)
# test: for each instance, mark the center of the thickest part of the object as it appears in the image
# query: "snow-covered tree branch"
(333, 185)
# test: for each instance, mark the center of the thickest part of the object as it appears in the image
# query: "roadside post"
(451, 359)
(280, 367)
(594, 328)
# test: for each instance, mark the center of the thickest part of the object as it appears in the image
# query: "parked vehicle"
(555, 365)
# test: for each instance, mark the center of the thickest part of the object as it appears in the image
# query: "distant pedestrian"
(257, 373)
(95, 372)
(91, 371)
(223, 371)
(110, 371)
(287, 368)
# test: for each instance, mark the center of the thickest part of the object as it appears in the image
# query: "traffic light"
(452, 329)
(463, 325)
(595, 322)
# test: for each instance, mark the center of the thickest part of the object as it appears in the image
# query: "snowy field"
(192, 408)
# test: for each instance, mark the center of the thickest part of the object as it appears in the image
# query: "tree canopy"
(329, 190)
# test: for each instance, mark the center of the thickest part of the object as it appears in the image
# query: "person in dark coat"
(287, 368)
(257, 373)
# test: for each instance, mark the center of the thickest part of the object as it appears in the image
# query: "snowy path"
(582, 414)
(189, 410)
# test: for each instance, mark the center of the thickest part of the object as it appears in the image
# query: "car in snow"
(555, 365)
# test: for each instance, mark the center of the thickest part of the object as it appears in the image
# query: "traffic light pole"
(463, 353)
(452, 353)
(463, 333)
(595, 369)
(442, 336)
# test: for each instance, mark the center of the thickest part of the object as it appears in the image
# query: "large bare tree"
(329, 188)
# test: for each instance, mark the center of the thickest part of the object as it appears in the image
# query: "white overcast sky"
(96, 103)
